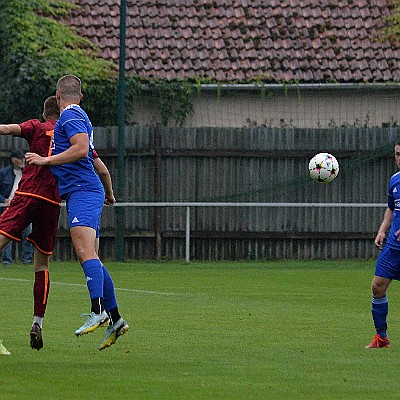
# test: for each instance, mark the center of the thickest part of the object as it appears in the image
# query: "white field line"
(82, 285)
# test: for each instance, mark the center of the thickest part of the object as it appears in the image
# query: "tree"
(36, 49)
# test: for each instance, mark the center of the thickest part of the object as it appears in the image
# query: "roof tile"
(226, 40)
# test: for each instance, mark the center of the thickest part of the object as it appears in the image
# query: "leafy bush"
(36, 50)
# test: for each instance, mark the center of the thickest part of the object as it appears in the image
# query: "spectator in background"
(9, 179)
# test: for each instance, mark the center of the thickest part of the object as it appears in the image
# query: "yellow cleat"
(3, 350)
(113, 332)
(93, 322)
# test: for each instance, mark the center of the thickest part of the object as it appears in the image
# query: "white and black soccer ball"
(323, 167)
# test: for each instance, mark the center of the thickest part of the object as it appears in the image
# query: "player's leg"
(380, 309)
(385, 271)
(84, 211)
(44, 218)
(109, 299)
(4, 242)
(83, 239)
(118, 326)
(40, 295)
(13, 221)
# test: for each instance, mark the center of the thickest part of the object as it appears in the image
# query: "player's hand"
(33, 158)
(380, 237)
(110, 200)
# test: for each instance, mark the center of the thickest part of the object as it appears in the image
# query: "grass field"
(273, 330)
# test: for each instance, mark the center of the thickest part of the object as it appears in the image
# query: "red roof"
(305, 41)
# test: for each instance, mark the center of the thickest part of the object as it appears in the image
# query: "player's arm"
(10, 129)
(79, 149)
(383, 229)
(105, 178)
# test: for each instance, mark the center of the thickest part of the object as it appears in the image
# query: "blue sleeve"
(391, 203)
(74, 123)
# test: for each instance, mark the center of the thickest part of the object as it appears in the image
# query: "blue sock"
(94, 277)
(380, 309)
(110, 300)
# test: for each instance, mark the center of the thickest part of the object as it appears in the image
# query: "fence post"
(121, 137)
(187, 236)
(157, 189)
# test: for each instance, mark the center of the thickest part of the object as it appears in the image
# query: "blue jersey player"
(388, 263)
(71, 162)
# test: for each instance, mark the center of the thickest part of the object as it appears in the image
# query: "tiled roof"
(306, 41)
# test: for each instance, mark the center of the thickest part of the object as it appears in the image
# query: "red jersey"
(38, 181)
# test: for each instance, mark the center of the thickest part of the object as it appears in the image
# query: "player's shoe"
(36, 337)
(113, 332)
(378, 343)
(93, 321)
(3, 350)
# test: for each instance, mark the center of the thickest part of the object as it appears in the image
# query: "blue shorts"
(84, 209)
(388, 263)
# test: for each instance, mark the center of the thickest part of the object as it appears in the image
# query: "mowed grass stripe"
(83, 285)
(284, 330)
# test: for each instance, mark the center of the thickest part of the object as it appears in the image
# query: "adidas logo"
(395, 190)
(88, 278)
(75, 220)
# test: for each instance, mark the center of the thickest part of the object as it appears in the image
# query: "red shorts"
(25, 210)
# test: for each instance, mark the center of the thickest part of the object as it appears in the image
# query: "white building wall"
(302, 108)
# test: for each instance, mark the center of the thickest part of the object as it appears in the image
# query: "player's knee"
(378, 289)
(81, 254)
(40, 267)
(85, 254)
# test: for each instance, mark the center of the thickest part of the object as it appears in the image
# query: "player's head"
(69, 89)
(397, 154)
(51, 109)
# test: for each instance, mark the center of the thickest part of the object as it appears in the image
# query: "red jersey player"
(35, 202)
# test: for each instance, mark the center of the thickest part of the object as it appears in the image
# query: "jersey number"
(50, 133)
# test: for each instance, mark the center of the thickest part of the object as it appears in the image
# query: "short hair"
(17, 153)
(51, 109)
(69, 86)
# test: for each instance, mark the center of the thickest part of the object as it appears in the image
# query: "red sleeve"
(28, 128)
(95, 155)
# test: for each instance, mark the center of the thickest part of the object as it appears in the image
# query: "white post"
(187, 253)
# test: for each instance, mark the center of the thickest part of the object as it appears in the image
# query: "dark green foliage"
(37, 49)
(173, 99)
(391, 30)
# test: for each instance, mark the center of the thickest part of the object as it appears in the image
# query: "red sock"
(41, 292)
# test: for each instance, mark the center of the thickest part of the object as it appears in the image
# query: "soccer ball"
(323, 167)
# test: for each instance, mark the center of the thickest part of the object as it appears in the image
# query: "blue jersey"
(81, 174)
(394, 205)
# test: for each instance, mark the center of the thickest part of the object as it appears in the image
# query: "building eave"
(302, 86)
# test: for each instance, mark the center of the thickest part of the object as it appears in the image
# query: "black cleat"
(36, 337)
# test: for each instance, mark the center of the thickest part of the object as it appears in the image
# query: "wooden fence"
(262, 165)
